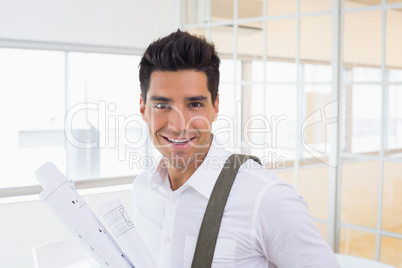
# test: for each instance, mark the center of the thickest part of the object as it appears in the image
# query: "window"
(78, 110)
(106, 138)
(337, 136)
(32, 113)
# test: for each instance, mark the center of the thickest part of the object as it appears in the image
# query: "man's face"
(179, 113)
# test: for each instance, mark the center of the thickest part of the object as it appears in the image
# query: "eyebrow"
(196, 98)
(160, 98)
(165, 99)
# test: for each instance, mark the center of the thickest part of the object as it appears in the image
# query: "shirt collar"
(160, 177)
(204, 178)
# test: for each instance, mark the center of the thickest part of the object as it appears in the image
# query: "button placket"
(173, 201)
(168, 227)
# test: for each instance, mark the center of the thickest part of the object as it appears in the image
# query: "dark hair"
(180, 51)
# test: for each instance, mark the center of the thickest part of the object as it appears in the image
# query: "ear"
(142, 108)
(216, 108)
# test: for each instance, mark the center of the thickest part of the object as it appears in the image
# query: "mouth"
(178, 141)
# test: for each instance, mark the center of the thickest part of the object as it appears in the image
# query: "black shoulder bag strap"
(204, 251)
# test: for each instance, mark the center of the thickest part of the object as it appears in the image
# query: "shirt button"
(173, 201)
(166, 240)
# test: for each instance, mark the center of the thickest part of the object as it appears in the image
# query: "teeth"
(178, 141)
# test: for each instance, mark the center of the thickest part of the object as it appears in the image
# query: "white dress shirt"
(265, 223)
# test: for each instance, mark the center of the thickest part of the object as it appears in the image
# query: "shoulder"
(282, 200)
(142, 180)
(268, 192)
(274, 194)
(275, 201)
(141, 188)
(254, 174)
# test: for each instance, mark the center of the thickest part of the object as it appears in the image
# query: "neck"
(178, 175)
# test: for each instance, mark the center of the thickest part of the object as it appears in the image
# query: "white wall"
(24, 225)
(122, 23)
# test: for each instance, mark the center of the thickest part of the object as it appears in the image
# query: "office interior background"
(317, 84)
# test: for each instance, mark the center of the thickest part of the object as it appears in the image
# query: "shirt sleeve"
(286, 232)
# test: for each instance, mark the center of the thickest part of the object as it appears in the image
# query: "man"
(265, 222)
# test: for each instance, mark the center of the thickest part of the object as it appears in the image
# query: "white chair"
(347, 261)
(60, 253)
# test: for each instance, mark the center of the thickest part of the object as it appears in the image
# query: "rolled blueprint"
(126, 234)
(61, 197)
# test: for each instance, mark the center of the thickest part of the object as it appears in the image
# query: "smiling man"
(265, 222)
(179, 111)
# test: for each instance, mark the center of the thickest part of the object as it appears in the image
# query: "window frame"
(203, 21)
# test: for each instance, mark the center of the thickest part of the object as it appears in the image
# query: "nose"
(177, 120)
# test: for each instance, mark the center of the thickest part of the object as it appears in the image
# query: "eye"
(161, 106)
(196, 104)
